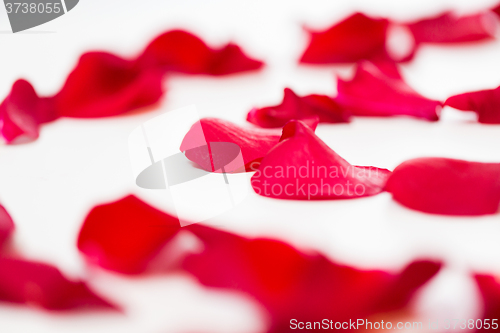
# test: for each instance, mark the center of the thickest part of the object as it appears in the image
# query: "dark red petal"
(490, 291)
(496, 10)
(448, 28)
(303, 167)
(125, 235)
(22, 112)
(356, 38)
(104, 85)
(292, 284)
(253, 142)
(486, 103)
(447, 186)
(183, 52)
(294, 107)
(6, 226)
(44, 286)
(373, 92)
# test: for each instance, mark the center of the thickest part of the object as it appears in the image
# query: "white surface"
(48, 186)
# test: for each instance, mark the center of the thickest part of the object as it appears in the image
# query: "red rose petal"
(448, 28)
(104, 85)
(496, 10)
(303, 167)
(253, 142)
(183, 52)
(22, 112)
(6, 226)
(447, 186)
(486, 103)
(373, 92)
(490, 291)
(356, 38)
(124, 235)
(294, 107)
(44, 286)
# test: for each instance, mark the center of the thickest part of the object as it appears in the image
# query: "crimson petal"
(376, 92)
(486, 103)
(6, 226)
(490, 291)
(447, 186)
(496, 10)
(356, 38)
(303, 167)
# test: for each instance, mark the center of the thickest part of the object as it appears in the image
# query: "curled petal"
(376, 92)
(486, 103)
(125, 235)
(103, 85)
(356, 38)
(22, 112)
(447, 186)
(253, 142)
(183, 52)
(294, 107)
(303, 167)
(44, 286)
(6, 226)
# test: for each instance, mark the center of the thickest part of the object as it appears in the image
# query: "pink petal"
(44, 286)
(6, 226)
(125, 235)
(303, 167)
(356, 38)
(447, 186)
(253, 142)
(373, 92)
(486, 103)
(294, 107)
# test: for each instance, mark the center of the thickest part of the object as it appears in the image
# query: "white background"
(48, 186)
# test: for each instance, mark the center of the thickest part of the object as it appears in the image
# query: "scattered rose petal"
(253, 142)
(125, 235)
(490, 291)
(486, 103)
(377, 91)
(447, 186)
(356, 38)
(303, 167)
(294, 107)
(6, 226)
(44, 286)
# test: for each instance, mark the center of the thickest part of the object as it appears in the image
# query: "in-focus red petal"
(103, 85)
(486, 103)
(373, 92)
(447, 186)
(302, 167)
(356, 38)
(294, 107)
(183, 52)
(490, 291)
(449, 28)
(44, 286)
(22, 112)
(294, 285)
(6, 226)
(124, 235)
(253, 142)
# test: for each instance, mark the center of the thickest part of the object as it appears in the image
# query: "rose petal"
(496, 10)
(44, 286)
(490, 291)
(486, 103)
(124, 235)
(294, 107)
(449, 28)
(183, 52)
(253, 142)
(303, 167)
(356, 38)
(6, 226)
(373, 92)
(104, 85)
(22, 112)
(447, 186)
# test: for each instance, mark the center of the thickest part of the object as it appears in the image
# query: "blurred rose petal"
(486, 103)
(447, 186)
(496, 10)
(302, 167)
(380, 91)
(294, 107)
(6, 226)
(490, 291)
